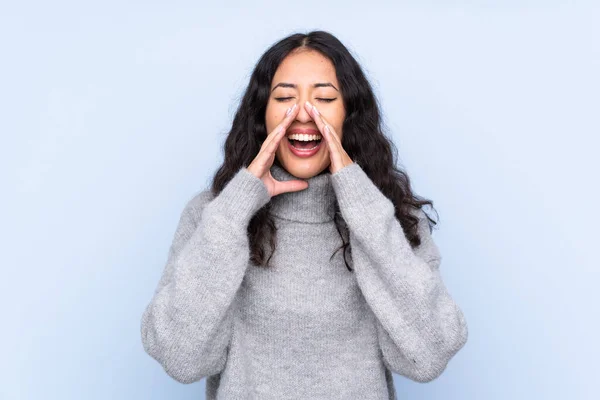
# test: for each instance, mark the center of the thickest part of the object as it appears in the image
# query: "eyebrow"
(293, 85)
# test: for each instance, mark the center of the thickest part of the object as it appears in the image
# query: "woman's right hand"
(261, 165)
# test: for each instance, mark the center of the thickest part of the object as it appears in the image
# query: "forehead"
(304, 68)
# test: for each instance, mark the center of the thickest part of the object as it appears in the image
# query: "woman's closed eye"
(282, 99)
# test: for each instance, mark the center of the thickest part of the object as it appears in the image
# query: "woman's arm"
(420, 328)
(187, 325)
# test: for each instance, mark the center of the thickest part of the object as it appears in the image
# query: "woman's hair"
(363, 139)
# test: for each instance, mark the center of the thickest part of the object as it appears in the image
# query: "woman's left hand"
(337, 154)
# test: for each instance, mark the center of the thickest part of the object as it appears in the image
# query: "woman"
(307, 321)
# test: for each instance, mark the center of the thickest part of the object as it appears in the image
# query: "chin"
(303, 170)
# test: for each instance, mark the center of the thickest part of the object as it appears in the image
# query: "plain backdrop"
(113, 114)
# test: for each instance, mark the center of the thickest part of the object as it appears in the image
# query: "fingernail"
(289, 110)
(316, 111)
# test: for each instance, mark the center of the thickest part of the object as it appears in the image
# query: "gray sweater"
(307, 328)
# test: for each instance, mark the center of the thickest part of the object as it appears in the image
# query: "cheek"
(339, 118)
(272, 115)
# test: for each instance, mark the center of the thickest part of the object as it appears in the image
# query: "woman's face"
(303, 70)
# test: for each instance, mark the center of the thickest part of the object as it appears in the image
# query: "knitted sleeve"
(186, 327)
(420, 328)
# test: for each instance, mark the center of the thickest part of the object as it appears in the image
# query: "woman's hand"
(337, 154)
(261, 165)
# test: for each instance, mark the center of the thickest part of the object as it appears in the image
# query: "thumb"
(292, 186)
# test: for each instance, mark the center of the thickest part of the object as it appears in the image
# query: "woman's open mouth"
(304, 148)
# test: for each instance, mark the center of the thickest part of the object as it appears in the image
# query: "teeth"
(303, 137)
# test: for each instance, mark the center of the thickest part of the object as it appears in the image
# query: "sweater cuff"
(242, 197)
(355, 190)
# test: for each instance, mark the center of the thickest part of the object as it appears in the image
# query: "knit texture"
(307, 327)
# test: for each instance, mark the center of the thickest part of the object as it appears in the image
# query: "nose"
(303, 115)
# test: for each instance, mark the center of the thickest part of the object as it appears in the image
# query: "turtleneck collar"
(314, 204)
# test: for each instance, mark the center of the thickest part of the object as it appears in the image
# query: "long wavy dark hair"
(363, 139)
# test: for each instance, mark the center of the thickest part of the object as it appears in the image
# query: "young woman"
(255, 295)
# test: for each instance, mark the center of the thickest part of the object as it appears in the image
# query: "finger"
(274, 143)
(331, 131)
(316, 116)
(278, 135)
(336, 148)
(327, 131)
(289, 116)
(270, 145)
(268, 149)
(334, 144)
(283, 125)
(289, 186)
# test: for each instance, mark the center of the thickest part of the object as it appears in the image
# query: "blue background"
(113, 115)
